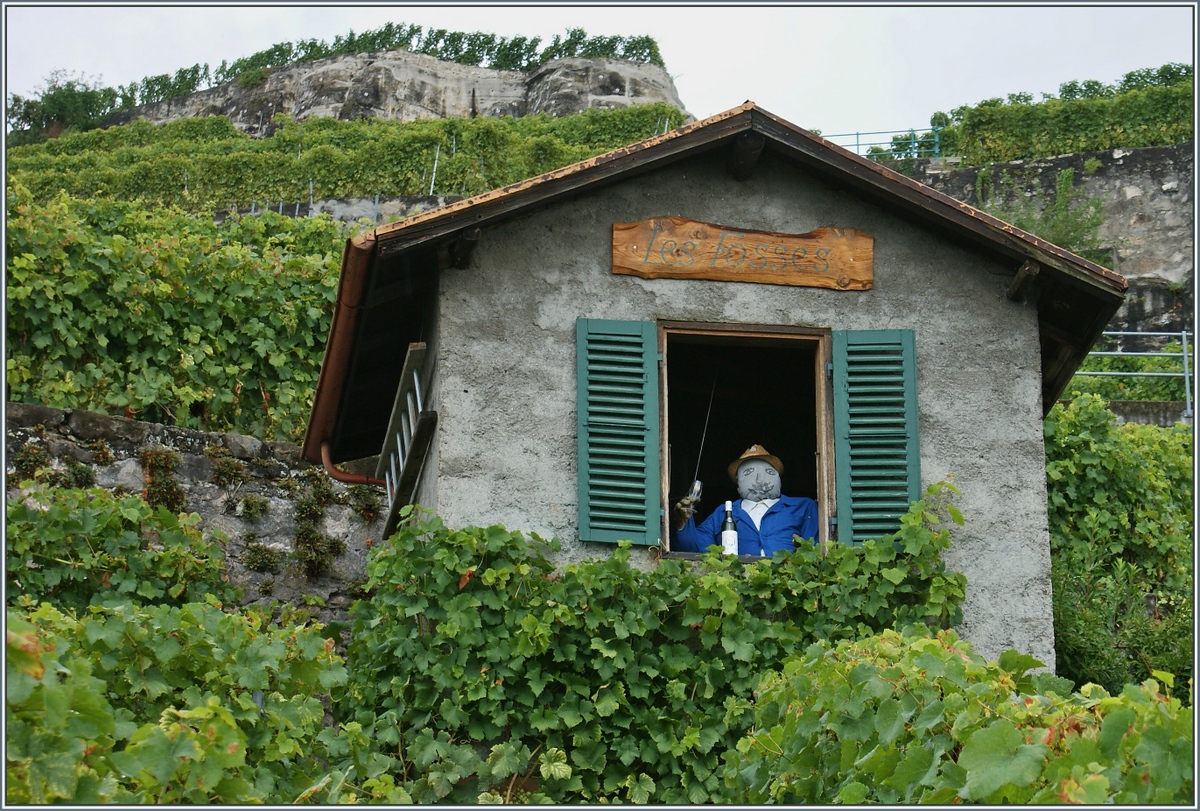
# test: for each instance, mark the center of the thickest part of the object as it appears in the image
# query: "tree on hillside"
(66, 102)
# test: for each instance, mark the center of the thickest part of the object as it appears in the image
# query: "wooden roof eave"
(357, 261)
(1063, 351)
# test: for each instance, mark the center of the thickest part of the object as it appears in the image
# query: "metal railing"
(1183, 354)
(409, 433)
(911, 143)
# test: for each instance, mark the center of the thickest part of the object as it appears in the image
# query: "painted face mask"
(757, 480)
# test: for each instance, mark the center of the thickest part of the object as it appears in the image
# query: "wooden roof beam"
(747, 148)
(457, 253)
(1023, 282)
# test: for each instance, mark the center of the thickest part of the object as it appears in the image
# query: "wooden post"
(457, 254)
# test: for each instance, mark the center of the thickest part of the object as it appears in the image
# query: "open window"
(730, 387)
(838, 407)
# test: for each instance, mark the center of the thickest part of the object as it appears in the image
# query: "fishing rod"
(696, 486)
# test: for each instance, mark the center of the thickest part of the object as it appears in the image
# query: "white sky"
(833, 68)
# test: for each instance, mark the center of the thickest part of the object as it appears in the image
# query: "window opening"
(766, 393)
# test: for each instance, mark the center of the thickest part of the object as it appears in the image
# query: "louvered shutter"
(876, 448)
(618, 431)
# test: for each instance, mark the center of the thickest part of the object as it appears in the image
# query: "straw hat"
(754, 452)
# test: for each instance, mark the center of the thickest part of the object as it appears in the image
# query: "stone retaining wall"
(274, 472)
(1149, 219)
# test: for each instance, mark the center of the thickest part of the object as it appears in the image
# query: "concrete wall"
(506, 445)
(1163, 413)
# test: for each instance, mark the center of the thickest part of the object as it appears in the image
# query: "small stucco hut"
(566, 354)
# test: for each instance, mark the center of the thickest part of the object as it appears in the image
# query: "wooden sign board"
(675, 248)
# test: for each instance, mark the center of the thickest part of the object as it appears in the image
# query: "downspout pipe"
(343, 476)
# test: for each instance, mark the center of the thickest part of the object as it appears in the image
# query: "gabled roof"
(385, 270)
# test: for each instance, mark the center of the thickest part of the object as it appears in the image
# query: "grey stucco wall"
(506, 447)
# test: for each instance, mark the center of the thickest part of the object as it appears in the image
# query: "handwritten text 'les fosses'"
(734, 254)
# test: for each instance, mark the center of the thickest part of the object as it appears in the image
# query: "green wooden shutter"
(876, 447)
(618, 431)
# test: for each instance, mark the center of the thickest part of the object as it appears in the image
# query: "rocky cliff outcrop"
(406, 86)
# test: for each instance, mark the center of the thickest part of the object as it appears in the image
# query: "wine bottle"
(729, 537)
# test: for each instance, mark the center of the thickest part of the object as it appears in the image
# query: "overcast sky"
(834, 68)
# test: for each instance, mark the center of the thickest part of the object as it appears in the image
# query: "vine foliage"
(1134, 388)
(480, 672)
(1121, 514)
(125, 296)
(205, 164)
(601, 682)
(166, 316)
(162, 704)
(1146, 107)
(918, 717)
(76, 548)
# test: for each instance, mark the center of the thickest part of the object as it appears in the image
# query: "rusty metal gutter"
(356, 266)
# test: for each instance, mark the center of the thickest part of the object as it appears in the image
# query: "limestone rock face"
(568, 86)
(405, 86)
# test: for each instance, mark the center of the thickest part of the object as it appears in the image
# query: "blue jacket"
(791, 515)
